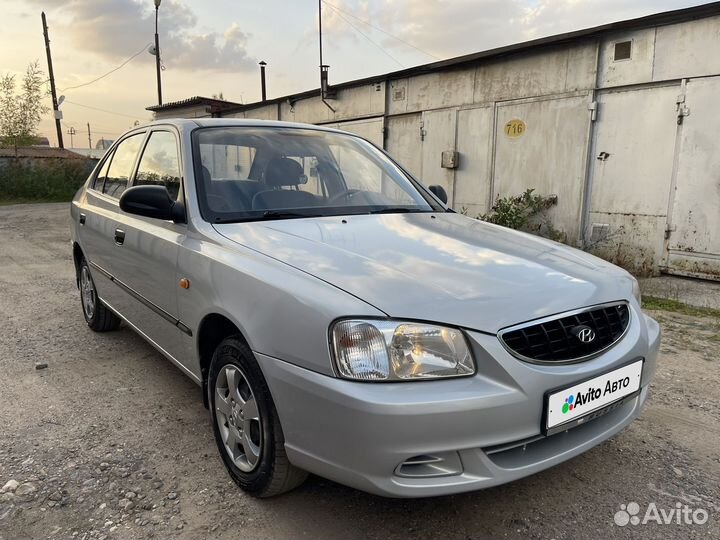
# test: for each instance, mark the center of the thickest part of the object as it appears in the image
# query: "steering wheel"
(346, 194)
(218, 203)
(235, 201)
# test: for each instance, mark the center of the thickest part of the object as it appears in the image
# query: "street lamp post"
(157, 53)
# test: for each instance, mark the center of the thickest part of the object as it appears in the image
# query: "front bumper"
(487, 428)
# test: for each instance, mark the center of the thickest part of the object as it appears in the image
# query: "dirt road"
(111, 441)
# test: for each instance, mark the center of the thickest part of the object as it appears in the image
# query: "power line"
(67, 126)
(363, 34)
(380, 29)
(102, 110)
(109, 72)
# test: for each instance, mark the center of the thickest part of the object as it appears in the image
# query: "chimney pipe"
(262, 80)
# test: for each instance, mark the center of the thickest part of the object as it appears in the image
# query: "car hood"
(442, 267)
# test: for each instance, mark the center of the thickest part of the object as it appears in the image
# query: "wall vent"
(599, 232)
(623, 50)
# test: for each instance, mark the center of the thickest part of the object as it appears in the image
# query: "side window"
(159, 164)
(121, 165)
(102, 173)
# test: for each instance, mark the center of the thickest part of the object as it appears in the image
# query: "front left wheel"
(246, 425)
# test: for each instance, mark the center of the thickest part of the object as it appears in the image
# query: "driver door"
(146, 262)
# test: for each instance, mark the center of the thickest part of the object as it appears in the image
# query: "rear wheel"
(98, 317)
(246, 425)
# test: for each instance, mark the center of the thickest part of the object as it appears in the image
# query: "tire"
(97, 316)
(249, 437)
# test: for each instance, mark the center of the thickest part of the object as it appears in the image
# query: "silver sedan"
(342, 320)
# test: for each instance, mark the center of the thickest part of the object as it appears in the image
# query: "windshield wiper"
(397, 210)
(268, 214)
(282, 214)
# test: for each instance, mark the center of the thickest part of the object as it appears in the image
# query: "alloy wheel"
(87, 290)
(238, 418)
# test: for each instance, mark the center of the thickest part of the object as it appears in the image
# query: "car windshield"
(252, 173)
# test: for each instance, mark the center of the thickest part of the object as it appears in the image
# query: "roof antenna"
(325, 91)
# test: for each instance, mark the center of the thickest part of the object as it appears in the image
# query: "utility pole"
(56, 111)
(89, 137)
(263, 89)
(157, 53)
(71, 131)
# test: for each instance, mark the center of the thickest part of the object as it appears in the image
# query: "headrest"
(283, 172)
(207, 177)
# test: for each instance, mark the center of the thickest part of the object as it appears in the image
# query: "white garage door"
(632, 169)
(694, 242)
(370, 129)
(403, 141)
(541, 145)
(472, 177)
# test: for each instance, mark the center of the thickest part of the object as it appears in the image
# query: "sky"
(213, 46)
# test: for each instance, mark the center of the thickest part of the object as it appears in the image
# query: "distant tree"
(20, 113)
(219, 96)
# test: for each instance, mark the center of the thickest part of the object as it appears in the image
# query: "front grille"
(556, 339)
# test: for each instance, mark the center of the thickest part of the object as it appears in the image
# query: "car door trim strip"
(139, 297)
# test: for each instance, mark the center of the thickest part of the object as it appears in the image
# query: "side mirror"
(439, 192)
(153, 202)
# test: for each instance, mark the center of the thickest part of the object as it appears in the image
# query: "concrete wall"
(599, 132)
(197, 111)
(655, 200)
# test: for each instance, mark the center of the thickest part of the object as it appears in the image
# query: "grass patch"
(42, 180)
(664, 304)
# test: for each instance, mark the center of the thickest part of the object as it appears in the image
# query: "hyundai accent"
(342, 320)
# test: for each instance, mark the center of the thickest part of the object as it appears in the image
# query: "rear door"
(145, 261)
(99, 216)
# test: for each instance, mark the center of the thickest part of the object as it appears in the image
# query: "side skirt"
(166, 354)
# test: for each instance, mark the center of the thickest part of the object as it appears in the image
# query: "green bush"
(49, 180)
(525, 212)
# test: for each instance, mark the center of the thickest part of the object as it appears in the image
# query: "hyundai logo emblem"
(585, 334)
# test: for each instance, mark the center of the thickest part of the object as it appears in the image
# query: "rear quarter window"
(121, 166)
(102, 173)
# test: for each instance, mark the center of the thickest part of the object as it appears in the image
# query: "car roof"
(189, 124)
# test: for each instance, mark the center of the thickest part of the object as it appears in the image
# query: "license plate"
(575, 404)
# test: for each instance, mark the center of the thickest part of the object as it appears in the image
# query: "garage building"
(620, 121)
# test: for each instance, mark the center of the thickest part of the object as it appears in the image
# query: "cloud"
(114, 29)
(450, 28)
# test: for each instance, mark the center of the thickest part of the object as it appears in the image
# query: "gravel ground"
(111, 441)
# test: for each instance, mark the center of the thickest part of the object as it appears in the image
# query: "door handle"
(119, 237)
(82, 219)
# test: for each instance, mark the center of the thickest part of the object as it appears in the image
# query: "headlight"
(636, 291)
(369, 350)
